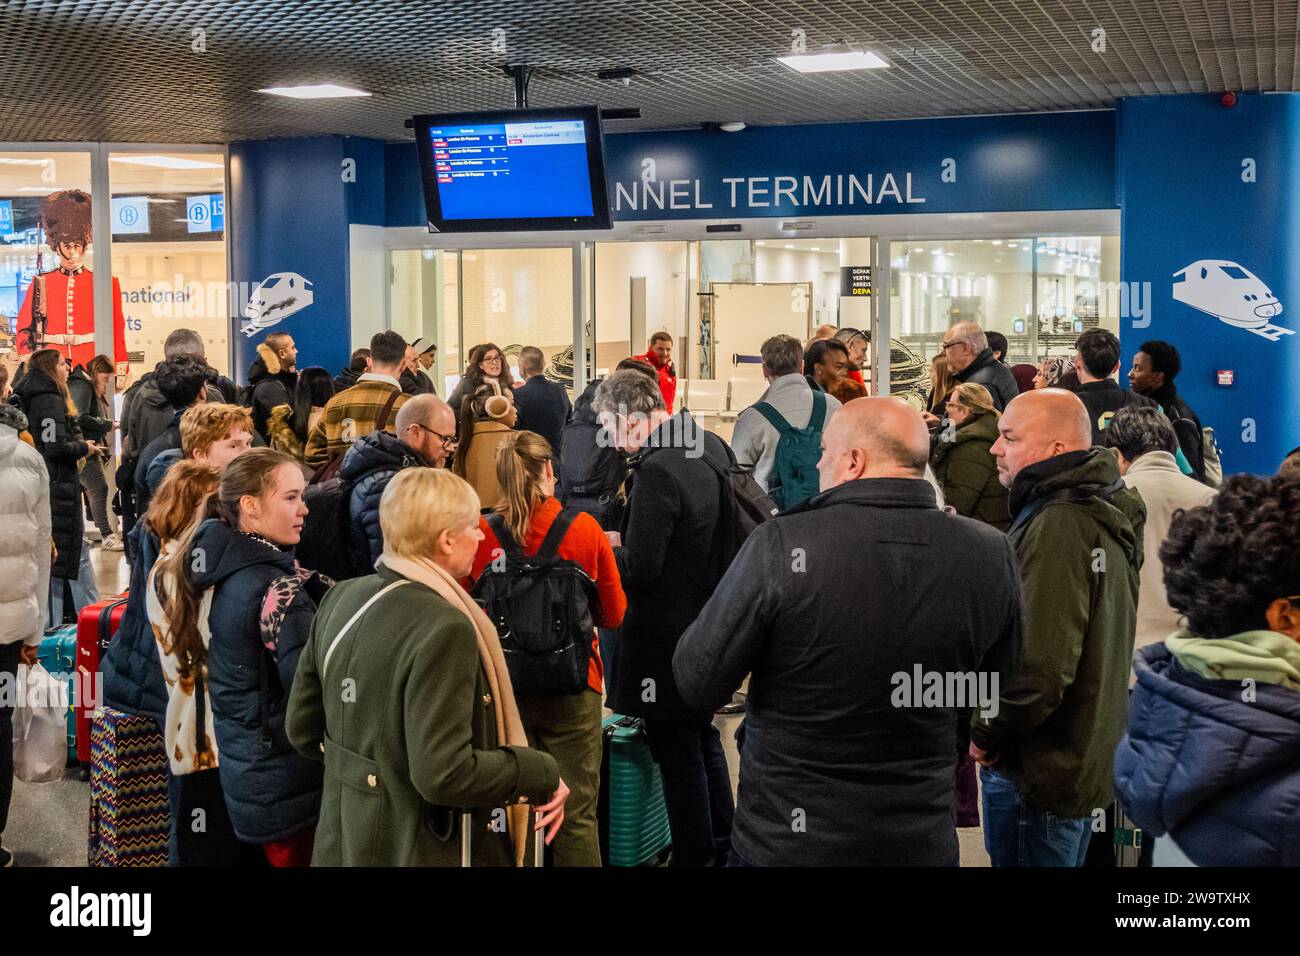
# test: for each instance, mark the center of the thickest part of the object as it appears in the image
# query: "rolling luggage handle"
(467, 839)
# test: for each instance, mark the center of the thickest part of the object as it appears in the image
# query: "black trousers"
(697, 789)
(10, 656)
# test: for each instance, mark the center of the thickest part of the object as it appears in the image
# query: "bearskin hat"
(67, 217)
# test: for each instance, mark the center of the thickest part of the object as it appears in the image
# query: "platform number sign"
(205, 213)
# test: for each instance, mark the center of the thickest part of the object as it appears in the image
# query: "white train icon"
(1232, 294)
(276, 297)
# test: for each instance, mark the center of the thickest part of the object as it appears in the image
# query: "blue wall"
(288, 213)
(1180, 171)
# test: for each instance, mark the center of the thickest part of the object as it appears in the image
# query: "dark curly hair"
(1226, 561)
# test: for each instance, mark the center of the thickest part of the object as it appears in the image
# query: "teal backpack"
(794, 472)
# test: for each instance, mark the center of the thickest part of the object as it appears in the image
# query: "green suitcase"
(58, 655)
(633, 816)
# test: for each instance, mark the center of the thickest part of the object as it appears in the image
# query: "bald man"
(844, 609)
(1046, 756)
(426, 436)
(823, 332)
(966, 348)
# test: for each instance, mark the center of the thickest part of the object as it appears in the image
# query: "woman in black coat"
(52, 417)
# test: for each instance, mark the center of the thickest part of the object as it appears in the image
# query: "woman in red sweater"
(566, 726)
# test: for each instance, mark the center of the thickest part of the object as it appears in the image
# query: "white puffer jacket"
(25, 541)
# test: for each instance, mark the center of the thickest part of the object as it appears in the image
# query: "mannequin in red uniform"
(66, 293)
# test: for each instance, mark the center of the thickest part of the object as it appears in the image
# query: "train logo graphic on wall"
(1232, 294)
(276, 297)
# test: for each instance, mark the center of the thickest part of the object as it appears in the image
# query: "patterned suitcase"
(96, 625)
(58, 655)
(633, 816)
(129, 815)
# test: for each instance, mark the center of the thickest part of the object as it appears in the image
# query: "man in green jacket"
(1047, 752)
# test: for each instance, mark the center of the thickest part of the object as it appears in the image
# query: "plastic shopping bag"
(40, 726)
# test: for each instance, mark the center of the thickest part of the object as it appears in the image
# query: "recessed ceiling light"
(164, 162)
(37, 189)
(15, 161)
(997, 242)
(833, 59)
(918, 249)
(1012, 245)
(318, 91)
(789, 245)
(733, 127)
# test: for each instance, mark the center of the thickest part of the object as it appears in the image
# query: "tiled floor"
(47, 822)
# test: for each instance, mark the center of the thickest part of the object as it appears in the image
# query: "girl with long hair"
(486, 365)
(567, 726)
(52, 421)
(288, 426)
(236, 611)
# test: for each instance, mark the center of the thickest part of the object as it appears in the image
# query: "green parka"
(968, 473)
(1059, 722)
(405, 724)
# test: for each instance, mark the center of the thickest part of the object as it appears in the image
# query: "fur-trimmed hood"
(13, 417)
(269, 359)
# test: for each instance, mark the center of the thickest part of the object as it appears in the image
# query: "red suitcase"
(96, 625)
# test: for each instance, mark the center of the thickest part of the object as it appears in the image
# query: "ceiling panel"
(124, 70)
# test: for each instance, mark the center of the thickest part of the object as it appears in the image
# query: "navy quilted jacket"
(132, 674)
(1219, 775)
(369, 466)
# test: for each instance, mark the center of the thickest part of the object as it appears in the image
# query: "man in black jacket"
(971, 360)
(1096, 360)
(182, 383)
(1155, 367)
(544, 406)
(856, 691)
(358, 366)
(426, 435)
(669, 571)
(273, 378)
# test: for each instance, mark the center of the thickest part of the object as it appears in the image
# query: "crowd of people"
(910, 600)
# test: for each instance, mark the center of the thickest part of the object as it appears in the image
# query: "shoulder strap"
(772, 415)
(1079, 493)
(555, 533)
(381, 423)
(818, 416)
(325, 664)
(497, 522)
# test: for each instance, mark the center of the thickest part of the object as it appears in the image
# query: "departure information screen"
(528, 170)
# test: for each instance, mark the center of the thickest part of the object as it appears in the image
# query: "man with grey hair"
(1047, 756)
(669, 568)
(145, 413)
(425, 438)
(966, 348)
(543, 406)
(831, 607)
(1144, 442)
(779, 436)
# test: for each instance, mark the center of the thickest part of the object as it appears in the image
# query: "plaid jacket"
(351, 414)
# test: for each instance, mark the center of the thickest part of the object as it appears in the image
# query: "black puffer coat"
(59, 441)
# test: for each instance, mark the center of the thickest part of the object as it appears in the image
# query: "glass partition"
(169, 251)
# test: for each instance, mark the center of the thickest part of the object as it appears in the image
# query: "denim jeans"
(84, 590)
(697, 790)
(1017, 833)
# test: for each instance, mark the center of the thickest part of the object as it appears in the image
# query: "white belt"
(70, 339)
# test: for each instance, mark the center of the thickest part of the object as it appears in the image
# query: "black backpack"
(745, 506)
(324, 544)
(591, 473)
(541, 607)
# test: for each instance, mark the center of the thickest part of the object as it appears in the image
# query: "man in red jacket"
(660, 356)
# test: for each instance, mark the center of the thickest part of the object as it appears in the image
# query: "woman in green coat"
(403, 693)
(960, 457)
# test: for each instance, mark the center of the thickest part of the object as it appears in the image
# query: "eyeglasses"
(948, 345)
(448, 441)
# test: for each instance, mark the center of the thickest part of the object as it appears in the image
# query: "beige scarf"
(510, 728)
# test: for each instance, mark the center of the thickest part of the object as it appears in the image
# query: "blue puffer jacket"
(271, 791)
(132, 674)
(369, 466)
(1218, 775)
